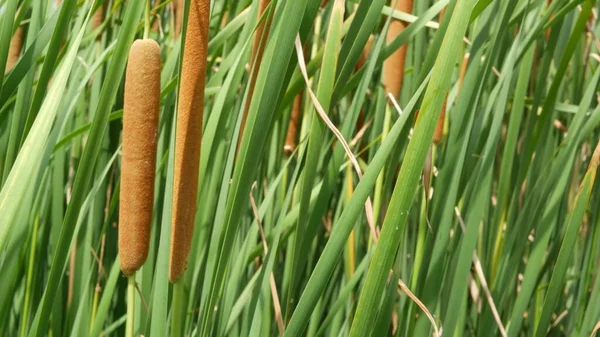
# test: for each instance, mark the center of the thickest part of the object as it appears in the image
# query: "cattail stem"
(140, 125)
(147, 19)
(293, 125)
(393, 73)
(188, 136)
(177, 313)
(130, 306)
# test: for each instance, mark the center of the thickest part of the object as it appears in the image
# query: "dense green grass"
(368, 228)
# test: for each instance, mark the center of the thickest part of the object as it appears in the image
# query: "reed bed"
(299, 168)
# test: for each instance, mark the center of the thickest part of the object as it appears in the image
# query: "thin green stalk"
(129, 325)
(177, 313)
(147, 20)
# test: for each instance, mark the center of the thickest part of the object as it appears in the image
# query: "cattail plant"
(188, 136)
(292, 133)
(439, 128)
(364, 55)
(97, 19)
(140, 124)
(16, 44)
(393, 68)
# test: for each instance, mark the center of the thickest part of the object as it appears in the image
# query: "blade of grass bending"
(269, 260)
(342, 228)
(449, 179)
(317, 132)
(262, 109)
(81, 182)
(574, 222)
(395, 221)
(538, 251)
(329, 182)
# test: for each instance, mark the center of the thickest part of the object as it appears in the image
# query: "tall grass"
(368, 168)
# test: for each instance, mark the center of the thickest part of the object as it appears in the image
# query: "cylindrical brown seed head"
(439, 127)
(140, 125)
(393, 69)
(362, 60)
(188, 136)
(14, 51)
(463, 71)
(293, 125)
(97, 19)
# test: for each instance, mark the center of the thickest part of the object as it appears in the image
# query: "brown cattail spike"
(463, 71)
(293, 125)
(178, 9)
(362, 60)
(97, 19)
(140, 125)
(393, 70)
(188, 136)
(439, 127)
(14, 51)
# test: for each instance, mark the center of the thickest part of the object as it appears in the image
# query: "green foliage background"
(495, 230)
